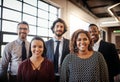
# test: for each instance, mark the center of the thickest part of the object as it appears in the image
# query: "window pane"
(50, 33)
(42, 31)
(9, 38)
(11, 15)
(43, 23)
(29, 38)
(29, 9)
(29, 19)
(53, 17)
(32, 30)
(14, 4)
(42, 5)
(42, 14)
(0, 12)
(32, 2)
(53, 9)
(45, 39)
(7, 26)
(50, 24)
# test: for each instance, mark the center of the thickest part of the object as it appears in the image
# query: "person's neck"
(58, 37)
(22, 39)
(85, 54)
(97, 40)
(35, 59)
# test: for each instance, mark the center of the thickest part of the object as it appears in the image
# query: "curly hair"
(61, 21)
(73, 45)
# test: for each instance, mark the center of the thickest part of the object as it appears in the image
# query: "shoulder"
(65, 39)
(10, 45)
(99, 54)
(96, 52)
(25, 62)
(47, 61)
(49, 41)
(27, 42)
(70, 56)
(107, 43)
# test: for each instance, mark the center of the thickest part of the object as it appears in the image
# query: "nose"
(82, 41)
(37, 48)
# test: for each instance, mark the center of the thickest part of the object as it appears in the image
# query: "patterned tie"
(23, 51)
(56, 57)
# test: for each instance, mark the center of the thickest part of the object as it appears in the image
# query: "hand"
(117, 78)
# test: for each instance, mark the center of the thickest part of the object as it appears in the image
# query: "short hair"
(73, 45)
(23, 22)
(61, 21)
(93, 25)
(38, 38)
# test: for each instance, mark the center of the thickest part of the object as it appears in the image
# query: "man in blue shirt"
(12, 54)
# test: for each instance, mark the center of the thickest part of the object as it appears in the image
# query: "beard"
(59, 34)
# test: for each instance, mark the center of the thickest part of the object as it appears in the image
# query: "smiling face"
(37, 48)
(94, 33)
(82, 42)
(59, 29)
(23, 31)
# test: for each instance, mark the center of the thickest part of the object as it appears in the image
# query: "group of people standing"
(83, 58)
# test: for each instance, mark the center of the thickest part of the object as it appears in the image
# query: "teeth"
(82, 46)
(92, 36)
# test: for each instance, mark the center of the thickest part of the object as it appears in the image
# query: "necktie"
(23, 51)
(56, 57)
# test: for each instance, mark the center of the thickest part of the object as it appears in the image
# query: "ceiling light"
(112, 13)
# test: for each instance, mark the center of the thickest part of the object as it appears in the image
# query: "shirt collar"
(98, 42)
(54, 39)
(20, 41)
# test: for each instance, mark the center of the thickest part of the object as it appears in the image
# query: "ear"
(99, 32)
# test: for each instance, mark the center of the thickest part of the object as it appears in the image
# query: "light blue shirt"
(12, 57)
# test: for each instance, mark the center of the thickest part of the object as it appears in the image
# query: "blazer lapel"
(52, 46)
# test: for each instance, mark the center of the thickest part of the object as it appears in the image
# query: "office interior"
(40, 14)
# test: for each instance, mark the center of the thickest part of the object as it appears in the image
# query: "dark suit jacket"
(111, 56)
(50, 49)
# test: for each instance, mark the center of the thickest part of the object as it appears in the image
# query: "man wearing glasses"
(14, 53)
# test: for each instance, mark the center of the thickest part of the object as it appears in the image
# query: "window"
(38, 13)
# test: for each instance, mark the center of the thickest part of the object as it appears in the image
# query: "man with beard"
(109, 52)
(13, 54)
(58, 28)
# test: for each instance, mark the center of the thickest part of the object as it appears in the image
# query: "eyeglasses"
(23, 28)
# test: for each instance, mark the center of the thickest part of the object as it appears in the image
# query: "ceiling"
(98, 8)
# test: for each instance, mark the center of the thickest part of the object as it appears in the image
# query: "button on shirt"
(12, 52)
(60, 49)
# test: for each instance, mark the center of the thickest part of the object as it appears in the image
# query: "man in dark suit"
(58, 28)
(109, 52)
